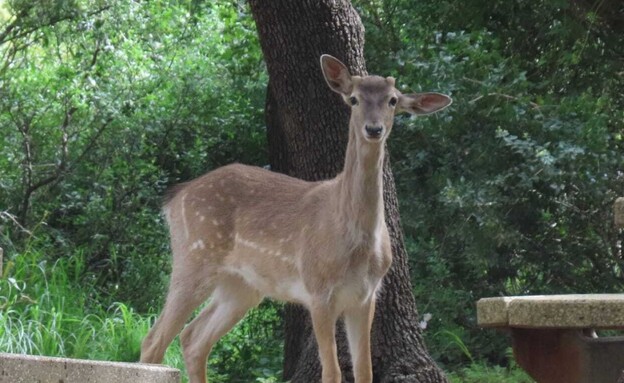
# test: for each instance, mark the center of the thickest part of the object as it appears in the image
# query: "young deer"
(241, 233)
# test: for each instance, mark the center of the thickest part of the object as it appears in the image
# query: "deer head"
(374, 100)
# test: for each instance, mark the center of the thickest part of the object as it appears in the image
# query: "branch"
(58, 173)
(10, 217)
(505, 96)
(95, 54)
(496, 94)
(14, 24)
(94, 139)
(7, 35)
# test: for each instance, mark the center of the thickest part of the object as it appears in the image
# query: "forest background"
(104, 104)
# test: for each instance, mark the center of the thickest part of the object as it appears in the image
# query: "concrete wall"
(38, 369)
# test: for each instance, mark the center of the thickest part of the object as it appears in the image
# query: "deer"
(242, 233)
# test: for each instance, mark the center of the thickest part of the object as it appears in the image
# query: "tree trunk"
(307, 133)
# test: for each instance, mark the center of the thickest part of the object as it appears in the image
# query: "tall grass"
(51, 308)
(54, 309)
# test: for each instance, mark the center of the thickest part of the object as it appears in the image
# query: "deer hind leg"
(324, 325)
(358, 321)
(185, 295)
(232, 298)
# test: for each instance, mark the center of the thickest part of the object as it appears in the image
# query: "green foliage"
(54, 309)
(106, 104)
(479, 373)
(510, 190)
(253, 350)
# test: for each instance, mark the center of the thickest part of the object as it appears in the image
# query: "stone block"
(553, 311)
(40, 369)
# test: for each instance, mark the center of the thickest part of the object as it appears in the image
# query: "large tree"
(307, 132)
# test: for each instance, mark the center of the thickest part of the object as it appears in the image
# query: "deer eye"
(393, 102)
(353, 100)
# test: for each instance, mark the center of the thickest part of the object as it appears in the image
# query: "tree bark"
(307, 127)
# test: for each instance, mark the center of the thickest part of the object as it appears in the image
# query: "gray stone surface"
(38, 369)
(553, 311)
(493, 311)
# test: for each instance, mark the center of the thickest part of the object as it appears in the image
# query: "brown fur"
(241, 233)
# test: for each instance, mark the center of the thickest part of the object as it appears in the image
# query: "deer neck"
(360, 204)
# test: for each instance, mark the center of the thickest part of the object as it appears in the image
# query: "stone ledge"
(553, 311)
(40, 369)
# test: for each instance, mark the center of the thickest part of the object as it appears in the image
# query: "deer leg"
(231, 299)
(179, 305)
(324, 325)
(358, 322)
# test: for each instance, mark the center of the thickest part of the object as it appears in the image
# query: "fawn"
(241, 233)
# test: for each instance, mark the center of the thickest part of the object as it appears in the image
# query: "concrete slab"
(553, 311)
(40, 369)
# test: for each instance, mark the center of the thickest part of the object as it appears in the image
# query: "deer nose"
(374, 131)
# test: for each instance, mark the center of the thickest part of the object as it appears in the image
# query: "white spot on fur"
(288, 260)
(283, 240)
(244, 242)
(262, 249)
(198, 245)
(202, 218)
(215, 222)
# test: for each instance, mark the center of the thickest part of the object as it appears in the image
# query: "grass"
(53, 309)
(481, 373)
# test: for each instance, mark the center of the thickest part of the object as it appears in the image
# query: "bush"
(144, 96)
(510, 190)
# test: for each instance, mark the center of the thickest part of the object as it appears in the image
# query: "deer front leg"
(324, 324)
(358, 322)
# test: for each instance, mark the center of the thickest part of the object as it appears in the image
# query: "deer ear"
(423, 103)
(337, 75)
